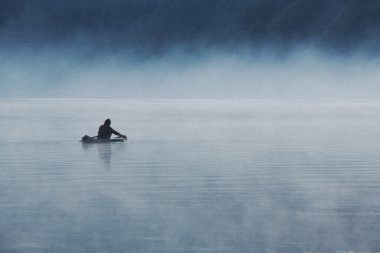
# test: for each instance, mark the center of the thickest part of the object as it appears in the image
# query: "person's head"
(107, 122)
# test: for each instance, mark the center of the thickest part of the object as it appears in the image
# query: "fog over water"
(253, 126)
(240, 75)
(194, 176)
(189, 49)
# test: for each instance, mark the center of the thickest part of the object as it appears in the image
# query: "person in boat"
(105, 131)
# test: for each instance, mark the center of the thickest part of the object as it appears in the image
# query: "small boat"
(88, 139)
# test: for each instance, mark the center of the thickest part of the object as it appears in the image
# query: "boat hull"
(87, 139)
(103, 140)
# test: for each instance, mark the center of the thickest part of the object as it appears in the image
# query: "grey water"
(194, 176)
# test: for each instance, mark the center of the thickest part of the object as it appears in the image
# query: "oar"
(122, 137)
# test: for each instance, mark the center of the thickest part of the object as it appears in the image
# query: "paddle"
(119, 137)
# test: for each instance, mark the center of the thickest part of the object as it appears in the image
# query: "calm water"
(194, 176)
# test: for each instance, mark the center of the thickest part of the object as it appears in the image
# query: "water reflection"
(105, 150)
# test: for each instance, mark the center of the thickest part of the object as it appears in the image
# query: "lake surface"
(194, 176)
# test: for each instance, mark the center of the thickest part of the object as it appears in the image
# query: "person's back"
(105, 131)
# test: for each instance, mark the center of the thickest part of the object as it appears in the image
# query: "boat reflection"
(105, 150)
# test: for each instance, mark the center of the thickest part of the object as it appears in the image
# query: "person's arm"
(117, 133)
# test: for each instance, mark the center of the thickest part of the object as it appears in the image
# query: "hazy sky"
(189, 49)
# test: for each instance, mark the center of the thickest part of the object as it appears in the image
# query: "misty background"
(215, 160)
(190, 49)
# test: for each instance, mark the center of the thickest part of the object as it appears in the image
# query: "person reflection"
(105, 152)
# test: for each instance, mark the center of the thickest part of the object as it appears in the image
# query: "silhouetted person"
(105, 131)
